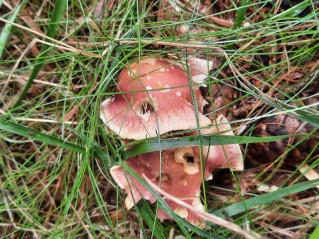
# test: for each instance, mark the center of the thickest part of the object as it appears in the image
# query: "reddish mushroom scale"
(153, 97)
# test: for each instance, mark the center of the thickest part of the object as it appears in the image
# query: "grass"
(60, 61)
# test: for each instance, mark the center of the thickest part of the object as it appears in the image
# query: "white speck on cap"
(131, 72)
(151, 61)
(184, 182)
(182, 212)
(167, 89)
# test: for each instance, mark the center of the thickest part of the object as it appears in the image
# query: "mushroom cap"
(178, 173)
(199, 69)
(156, 74)
(164, 170)
(153, 97)
(220, 156)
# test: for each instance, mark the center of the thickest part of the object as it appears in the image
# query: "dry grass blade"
(209, 217)
(59, 43)
(309, 173)
(55, 155)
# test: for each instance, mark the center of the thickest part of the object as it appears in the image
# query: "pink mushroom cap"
(173, 178)
(180, 172)
(220, 156)
(153, 97)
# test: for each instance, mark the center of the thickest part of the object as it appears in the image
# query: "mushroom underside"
(148, 118)
(155, 96)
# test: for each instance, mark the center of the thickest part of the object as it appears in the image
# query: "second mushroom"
(155, 96)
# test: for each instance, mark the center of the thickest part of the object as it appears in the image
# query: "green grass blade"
(241, 14)
(241, 207)
(57, 14)
(293, 11)
(171, 143)
(150, 219)
(7, 29)
(58, 11)
(36, 135)
(183, 224)
(299, 113)
(162, 203)
(315, 234)
(295, 112)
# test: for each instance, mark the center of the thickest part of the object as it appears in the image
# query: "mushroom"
(198, 69)
(154, 97)
(163, 169)
(220, 156)
(177, 171)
